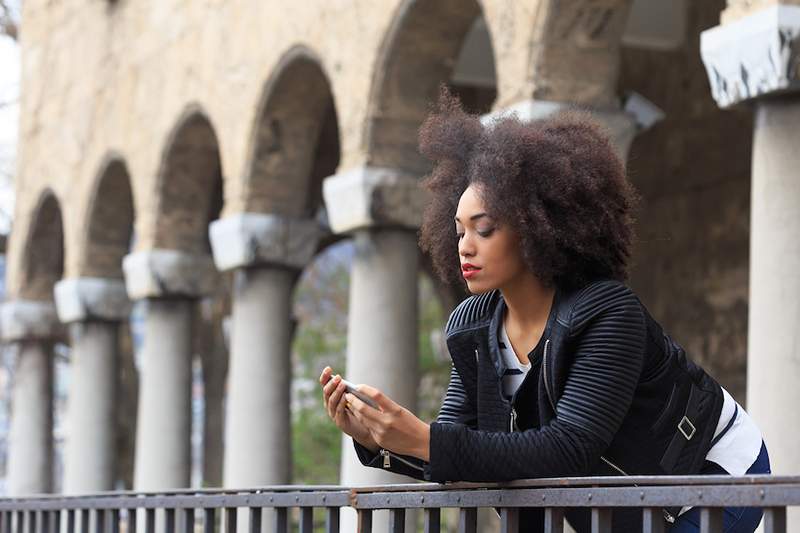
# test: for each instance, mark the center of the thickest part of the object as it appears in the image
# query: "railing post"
(601, 520)
(32, 522)
(230, 519)
(255, 520)
(150, 520)
(509, 520)
(169, 520)
(20, 521)
(84, 520)
(433, 520)
(652, 520)
(553, 520)
(468, 520)
(131, 520)
(775, 520)
(100, 521)
(188, 520)
(281, 520)
(397, 520)
(332, 520)
(209, 516)
(306, 519)
(365, 521)
(710, 520)
(70, 520)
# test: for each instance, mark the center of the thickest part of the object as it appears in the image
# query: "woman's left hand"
(393, 426)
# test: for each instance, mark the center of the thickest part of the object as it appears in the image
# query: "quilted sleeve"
(609, 349)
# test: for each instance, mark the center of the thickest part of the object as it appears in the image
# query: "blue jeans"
(734, 519)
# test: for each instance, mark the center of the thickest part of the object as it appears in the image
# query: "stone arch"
(189, 190)
(422, 50)
(295, 139)
(109, 226)
(43, 255)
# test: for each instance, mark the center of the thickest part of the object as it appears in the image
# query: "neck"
(528, 302)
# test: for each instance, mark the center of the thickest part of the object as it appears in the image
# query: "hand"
(336, 407)
(393, 426)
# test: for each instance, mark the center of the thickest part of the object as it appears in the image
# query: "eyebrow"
(473, 217)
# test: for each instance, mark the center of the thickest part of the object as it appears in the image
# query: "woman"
(558, 369)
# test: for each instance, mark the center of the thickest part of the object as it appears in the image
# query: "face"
(488, 251)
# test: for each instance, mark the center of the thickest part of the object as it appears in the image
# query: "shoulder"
(473, 311)
(601, 298)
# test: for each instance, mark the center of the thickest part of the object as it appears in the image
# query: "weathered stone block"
(168, 273)
(753, 56)
(28, 320)
(83, 299)
(249, 239)
(367, 196)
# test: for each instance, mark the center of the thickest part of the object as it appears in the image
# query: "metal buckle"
(686, 434)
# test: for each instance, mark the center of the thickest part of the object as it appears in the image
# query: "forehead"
(470, 203)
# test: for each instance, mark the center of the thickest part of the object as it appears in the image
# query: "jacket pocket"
(669, 407)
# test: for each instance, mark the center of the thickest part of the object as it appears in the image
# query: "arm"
(609, 350)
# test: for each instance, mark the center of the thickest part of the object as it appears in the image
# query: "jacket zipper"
(667, 516)
(387, 463)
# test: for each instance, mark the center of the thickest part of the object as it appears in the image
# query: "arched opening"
(43, 261)
(295, 140)
(430, 43)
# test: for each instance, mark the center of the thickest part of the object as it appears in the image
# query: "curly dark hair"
(557, 181)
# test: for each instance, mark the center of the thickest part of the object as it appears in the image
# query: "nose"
(466, 245)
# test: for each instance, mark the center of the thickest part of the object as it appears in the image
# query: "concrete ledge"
(28, 320)
(621, 124)
(250, 239)
(168, 273)
(366, 197)
(84, 299)
(753, 56)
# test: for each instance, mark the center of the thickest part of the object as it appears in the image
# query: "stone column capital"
(253, 239)
(163, 273)
(85, 299)
(622, 124)
(28, 320)
(368, 196)
(753, 56)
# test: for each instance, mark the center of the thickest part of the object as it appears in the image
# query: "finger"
(326, 375)
(383, 401)
(335, 399)
(369, 414)
(329, 387)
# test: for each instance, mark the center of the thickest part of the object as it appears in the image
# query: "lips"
(469, 270)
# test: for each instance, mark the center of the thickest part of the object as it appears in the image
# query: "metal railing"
(210, 511)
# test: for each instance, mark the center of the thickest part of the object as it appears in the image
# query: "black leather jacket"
(615, 395)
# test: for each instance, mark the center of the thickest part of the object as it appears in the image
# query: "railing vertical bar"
(306, 519)
(6, 526)
(229, 515)
(332, 520)
(553, 520)
(45, 521)
(365, 521)
(70, 520)
(281, 520)
(652, 520)
(433, 520)
(32, 522)
(397, 520)
(601, 520)
(57, 521)
(21, 522)
(131, 520)
(209, 517)
(113, 518)
(255, 520)
(85, 520)
(710, 520)
(169, 520)
(99, 521)
(188, 520)
(468, 520)
(150, 520)
(775, 520)
(509, 520)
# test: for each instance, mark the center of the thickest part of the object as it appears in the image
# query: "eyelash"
(485, 234)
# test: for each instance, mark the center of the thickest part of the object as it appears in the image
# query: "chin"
(476, 287)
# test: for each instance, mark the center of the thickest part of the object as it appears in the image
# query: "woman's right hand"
(333, 390)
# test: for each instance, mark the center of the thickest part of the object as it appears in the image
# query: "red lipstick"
(468, 270)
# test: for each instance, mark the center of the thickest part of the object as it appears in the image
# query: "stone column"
(169, 281)
(93, 308)
(753, 57)
(381, 208)
(266, 252)
(31, 328)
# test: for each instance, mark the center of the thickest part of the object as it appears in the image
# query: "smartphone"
(352, 390)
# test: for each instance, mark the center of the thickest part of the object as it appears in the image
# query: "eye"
(486, 232)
